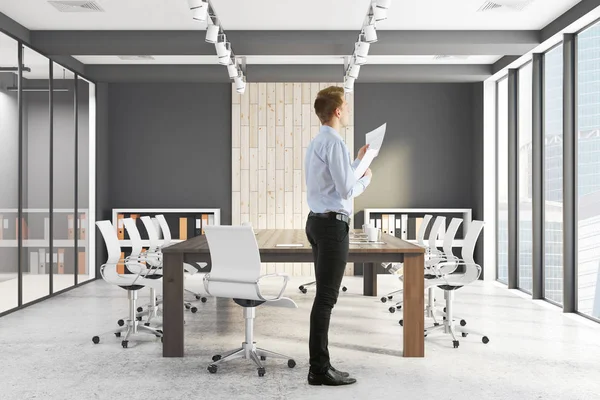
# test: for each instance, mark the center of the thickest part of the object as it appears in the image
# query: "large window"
(553, 173)
(525, 176)
(588, 171)
(502, 118)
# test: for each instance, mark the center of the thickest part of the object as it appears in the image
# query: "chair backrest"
(234, 257)
(470, 241)
(164, 227)
(451, 234)
(153, 235)
(435, 230)
(422, 228)
(134, 236)
(111, 241)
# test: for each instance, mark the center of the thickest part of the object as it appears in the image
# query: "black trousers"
(330, 243)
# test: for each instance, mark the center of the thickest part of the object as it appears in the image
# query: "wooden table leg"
(172, 305)
(414, 303)
(369, 279)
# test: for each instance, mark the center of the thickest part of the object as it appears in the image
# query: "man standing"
(330, 186)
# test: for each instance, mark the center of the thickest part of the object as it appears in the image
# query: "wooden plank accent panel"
(272, 125)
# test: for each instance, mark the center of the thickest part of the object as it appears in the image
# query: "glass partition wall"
(46, 118)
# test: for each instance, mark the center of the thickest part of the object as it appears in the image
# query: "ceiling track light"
(377, 12)
(202, 10)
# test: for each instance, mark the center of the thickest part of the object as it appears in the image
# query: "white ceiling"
(212, 60)
(285, 15)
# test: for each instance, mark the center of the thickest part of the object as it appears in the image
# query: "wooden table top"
(268, 239)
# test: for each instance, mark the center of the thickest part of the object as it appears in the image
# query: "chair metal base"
(303, 287)
(132, 325)
(448, 326)
(249, 350)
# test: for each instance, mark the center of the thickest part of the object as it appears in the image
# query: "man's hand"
(362, 151)
(368, 173)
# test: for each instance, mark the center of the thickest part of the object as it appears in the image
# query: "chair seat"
(132, 287)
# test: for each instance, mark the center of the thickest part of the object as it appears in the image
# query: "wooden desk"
(394, 250)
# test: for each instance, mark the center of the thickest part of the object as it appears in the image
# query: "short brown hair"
(327, 101)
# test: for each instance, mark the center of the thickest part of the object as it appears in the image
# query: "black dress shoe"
(329, 378)
(343, 374)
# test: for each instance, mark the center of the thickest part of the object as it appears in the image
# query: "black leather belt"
(331, 215)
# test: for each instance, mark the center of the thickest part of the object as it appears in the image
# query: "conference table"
(389, 249)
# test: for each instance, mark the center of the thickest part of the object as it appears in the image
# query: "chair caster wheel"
(485, 340)
(304, 291)
(436, 324)
(198, 297)
(392, 309)
(344, 289)
(124, 343)
(194, 310)
(263, 358)
(120, 322)
(117, 334)
(212, 369)
(138, 318)
(291, 363)
(444, 309)
(216, 358)
(301, 288)
(96, 339)
(464, 334)
(399, 307)
(401, 322)
(390, 297)
(455, 343)
(383, 299)
(463, 322)
(203, 299)
(162, 339)
(187, 306)
(261, 372)
(140, 309)
(147, 324)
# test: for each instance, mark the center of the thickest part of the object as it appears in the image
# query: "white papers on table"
(375, 138)
(289, 245)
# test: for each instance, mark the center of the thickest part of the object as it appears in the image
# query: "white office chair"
(449, 281)
(432, 256)
(164, 231)
(236, 275)
(153, 258)
(137, 279)
(396, 268)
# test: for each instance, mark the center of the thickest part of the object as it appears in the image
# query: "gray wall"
(429, 158)
(170, 146)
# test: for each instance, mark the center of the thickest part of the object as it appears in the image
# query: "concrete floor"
(535, 351)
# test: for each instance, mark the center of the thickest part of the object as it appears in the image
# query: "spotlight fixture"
(349, 84)
(385, 4)
(232, 68)
(240, 84)
(353, 71)
(199, 9)
(361, 50)
(370, 33)
(212, 31)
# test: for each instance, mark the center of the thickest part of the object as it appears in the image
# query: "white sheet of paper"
(375, 138)
(364, 163)
(289, 245)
